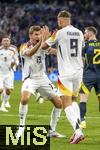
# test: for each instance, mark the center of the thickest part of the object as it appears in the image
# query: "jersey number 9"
(74, 47)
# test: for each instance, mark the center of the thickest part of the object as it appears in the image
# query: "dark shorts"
(90, 80)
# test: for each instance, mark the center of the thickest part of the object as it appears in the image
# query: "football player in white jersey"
(35, 78)
(26, 66)
(8, 59)
(70, 66)
(25, 70)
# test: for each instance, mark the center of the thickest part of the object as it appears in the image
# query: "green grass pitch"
(39, 114)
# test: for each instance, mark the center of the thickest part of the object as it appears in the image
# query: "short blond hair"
(92, 28)
(64, 14)
(34, 28)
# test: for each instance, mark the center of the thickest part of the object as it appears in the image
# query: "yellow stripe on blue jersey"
(84, 88)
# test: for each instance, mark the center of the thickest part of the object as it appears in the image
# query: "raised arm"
(33, 50)
(53, 39)
(45, 36)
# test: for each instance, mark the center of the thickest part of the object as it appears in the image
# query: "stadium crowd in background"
(16, 17)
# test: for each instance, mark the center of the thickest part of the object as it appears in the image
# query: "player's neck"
(6, 47)
(65, 24)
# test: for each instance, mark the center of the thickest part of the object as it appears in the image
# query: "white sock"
(55, 114)
(71, 115)
(5, 97)
(79, 132)
(23, 109)
(76, 109)
(3, 105)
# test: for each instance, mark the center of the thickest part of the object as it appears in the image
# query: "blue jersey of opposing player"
(91, 73)
(91, 52)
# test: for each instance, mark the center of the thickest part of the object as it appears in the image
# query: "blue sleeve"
(84, 50)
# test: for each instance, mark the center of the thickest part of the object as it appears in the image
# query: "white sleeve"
(53, 39)
(83, 42)
(23, 49)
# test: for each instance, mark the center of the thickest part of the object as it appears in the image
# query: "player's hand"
(45, 33)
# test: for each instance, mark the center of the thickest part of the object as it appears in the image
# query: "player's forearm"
(52, 51)
(33, 50)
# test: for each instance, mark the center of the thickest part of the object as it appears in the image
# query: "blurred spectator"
(18, 15)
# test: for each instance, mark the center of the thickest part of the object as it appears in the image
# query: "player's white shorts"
(6, 81)
(41, 84)
(70, 86)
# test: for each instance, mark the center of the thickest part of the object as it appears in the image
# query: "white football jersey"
(7, 57)
(34, 65)
(69, 52)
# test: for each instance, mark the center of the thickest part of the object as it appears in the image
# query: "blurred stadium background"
(16, 16)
